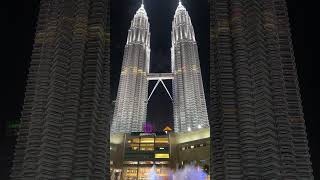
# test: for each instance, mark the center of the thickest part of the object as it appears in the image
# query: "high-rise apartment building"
(257, 125)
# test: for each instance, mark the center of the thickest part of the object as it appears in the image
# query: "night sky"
(18, 19)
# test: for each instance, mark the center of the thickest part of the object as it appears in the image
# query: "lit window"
(136, 140)
(161, 156)
(191, 147)
(134, 146)
(161, 162)
(146, 149)
(162, 148)
(147, 140)
(131, 172)
(162, 140)
(145, 162)
(131, 162)
(147, 145)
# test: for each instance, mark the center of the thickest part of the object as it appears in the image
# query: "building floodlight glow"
(131, 107)
(189, 105)
(187, 83)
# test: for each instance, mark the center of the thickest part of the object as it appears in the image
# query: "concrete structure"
(256, 119)
(134, 154)
(190, 111)
(64, 127)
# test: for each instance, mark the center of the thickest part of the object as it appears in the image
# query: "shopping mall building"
(133, 155)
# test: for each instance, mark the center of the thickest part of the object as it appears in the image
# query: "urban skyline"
(21, 18)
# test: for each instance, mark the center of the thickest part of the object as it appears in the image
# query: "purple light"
(147, 128)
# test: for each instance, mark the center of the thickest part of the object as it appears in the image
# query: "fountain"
(190, 173)
(153, 173)
(187, 173)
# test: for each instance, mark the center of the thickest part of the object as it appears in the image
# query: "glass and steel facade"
(141, 151)
(133, 155)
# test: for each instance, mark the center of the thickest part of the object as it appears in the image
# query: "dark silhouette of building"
(64, 128)
(256, 119)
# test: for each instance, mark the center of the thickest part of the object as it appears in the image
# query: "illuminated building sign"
(161, 156)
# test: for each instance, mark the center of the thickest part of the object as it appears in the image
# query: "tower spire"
(180, 2)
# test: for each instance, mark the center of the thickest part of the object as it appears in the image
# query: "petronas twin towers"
(255, 111)
(189, 103)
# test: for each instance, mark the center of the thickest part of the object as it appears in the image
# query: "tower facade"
(64, 127)
(189, 104)
(190, 110)
(131, 104)
(256, 119)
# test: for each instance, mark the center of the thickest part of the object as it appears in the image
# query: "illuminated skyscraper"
(64, 127)
(190, 111)
(256, 119)
(131, 104)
